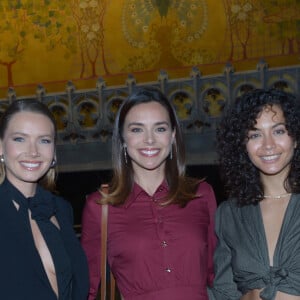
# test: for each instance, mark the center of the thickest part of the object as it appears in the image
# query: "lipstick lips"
(149, 152)
(30, 165)
(270, 157)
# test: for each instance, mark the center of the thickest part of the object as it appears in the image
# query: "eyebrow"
(142, 124)
(275, 125)
(28, 134)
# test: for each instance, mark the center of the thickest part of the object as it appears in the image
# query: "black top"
(22, 275)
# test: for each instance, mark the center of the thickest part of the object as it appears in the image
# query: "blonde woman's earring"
(53, 163)
(2, 158)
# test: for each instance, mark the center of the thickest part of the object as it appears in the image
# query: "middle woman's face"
(269, 146)
(148, 136)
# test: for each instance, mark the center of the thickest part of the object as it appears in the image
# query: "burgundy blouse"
(154, 252)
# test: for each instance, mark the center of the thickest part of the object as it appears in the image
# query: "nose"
(33, 149)
(269, 142)
(149, 137)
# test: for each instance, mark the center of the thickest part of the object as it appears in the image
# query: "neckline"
(278, 242)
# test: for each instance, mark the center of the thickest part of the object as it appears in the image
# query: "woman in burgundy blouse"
(161, 222)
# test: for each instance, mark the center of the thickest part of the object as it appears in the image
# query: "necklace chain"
(277, 196)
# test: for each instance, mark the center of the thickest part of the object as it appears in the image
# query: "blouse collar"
(137, 191)
(41, 205)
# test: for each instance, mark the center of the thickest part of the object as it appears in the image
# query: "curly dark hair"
(241, 177)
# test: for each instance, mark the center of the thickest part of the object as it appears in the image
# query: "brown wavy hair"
(181, 188)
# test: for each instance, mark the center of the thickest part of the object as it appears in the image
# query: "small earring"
(53, 163)
(125, 154)
(2, 158)
(171, 152)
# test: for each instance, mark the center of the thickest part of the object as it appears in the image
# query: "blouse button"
(168, 270)
(164, 244)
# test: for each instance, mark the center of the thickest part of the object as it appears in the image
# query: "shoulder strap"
(103, 250)
(104, 217)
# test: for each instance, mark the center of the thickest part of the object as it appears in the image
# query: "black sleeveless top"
(62, 244)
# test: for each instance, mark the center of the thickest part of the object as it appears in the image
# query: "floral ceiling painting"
(51, 42)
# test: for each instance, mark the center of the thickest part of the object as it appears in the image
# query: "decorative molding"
(85, 117)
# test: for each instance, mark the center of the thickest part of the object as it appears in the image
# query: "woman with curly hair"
(258, 228)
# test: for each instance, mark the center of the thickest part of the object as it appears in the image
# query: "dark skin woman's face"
(269, 146)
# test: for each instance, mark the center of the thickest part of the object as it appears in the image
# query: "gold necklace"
(277, 196)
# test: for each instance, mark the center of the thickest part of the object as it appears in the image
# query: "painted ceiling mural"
(51, 42)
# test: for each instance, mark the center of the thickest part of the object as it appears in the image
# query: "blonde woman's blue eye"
(161, 129)
(46, 141)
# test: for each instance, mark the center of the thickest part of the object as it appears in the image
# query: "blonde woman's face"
(27, 148)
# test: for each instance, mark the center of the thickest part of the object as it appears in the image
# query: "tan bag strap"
(104, 219)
